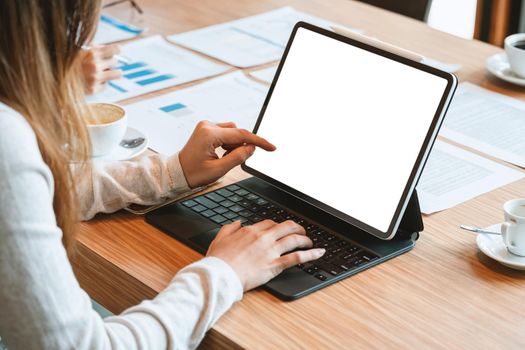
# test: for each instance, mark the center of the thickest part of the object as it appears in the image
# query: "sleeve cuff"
(178, 182)
(232, 286)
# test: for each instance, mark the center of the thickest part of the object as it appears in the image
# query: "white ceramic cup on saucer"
(513, 228)
(106, 126)
(515, 50)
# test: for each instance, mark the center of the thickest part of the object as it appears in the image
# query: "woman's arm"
(42, 305)
(109, 186)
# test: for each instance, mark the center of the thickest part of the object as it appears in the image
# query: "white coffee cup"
(107, 126)
(515, 55)
(513, 229)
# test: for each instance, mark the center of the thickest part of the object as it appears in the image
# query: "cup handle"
(505, 230)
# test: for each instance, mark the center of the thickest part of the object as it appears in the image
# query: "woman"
(44, 191)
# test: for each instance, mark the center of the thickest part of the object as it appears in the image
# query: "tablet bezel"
(422, 156)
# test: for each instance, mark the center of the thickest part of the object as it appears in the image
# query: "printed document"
(169, 120)
(489, 122)
(453, 176)
(110, 30)
(248, 41)
(154, 64)
(265, 74)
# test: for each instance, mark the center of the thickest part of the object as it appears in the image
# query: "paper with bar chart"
(169, 120)
(155, 64)
(110, 30)
(248, 41)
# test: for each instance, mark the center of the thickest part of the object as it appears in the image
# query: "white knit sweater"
(41, 303)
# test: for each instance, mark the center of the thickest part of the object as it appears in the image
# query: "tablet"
(353, 125)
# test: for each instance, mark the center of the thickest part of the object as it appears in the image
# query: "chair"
(417, 9)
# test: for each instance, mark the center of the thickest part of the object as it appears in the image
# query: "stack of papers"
(169, 120)
(265, 75)
(453, 176)
(489, 122)
(155, 64)
(110, 30)
(248, 41)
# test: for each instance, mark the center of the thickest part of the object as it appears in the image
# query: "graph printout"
(169, 120)
(248, 41)
(154, 64)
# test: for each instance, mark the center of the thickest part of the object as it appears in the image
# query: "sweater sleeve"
(107, 186)
(42, 305)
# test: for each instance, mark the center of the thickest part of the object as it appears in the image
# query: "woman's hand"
(97, 63)
(257, 252)
(201, 164)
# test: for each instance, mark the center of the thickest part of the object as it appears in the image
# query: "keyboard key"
(312, 269)
(198, 208)
(245, 203)
(206, 202)
(252, 197)
(226, 203)
(245, 213)
(189, 203)
(253, 207)
(224, 192)
(242, 192)
(215, 197)
(342, 264)
(256, 218)
(261, 201)
(269, 206)
(218, 218)
(335, 270)
(235, 198)
(265, 214)
(236, 208)
(229, 215)
(233, 187)
(208, 213)
(243, 220)
(368, 257)
(221, 210)
(321, 277)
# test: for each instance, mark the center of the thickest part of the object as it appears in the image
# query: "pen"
(122, 59)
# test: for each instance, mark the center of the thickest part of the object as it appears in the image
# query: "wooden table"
(443, 294)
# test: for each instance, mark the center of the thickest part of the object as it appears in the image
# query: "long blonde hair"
(40, 42)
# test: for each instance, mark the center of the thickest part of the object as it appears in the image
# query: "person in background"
(47, 184)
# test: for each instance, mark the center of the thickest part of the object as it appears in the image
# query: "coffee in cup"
(513, 228)
(107, 124)
(515, 50)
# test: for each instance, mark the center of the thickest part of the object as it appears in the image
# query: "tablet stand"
(412, 222)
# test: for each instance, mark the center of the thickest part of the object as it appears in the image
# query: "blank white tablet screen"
(348, 125)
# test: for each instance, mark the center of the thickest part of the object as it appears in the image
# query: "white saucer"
(499, 66)
(493, 247)
(122, 153)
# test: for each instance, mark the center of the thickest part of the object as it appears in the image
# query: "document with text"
(488, 122)
(169, 120)
(110, 30)
(155, 64)
(248, 41)
(453, 175)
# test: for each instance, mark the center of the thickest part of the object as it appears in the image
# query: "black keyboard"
(234, 203)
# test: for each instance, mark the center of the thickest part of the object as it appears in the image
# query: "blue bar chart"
(154, 64)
